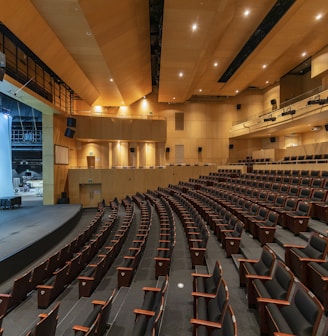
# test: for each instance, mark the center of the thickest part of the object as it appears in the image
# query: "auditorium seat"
(228, 327)
(97, 320)
(47, 324)
(300, 316)
(264, 231)
(231, 239)
(297, 221)
(262, 266)
(205, 282)
(297, 257)
(276, 286)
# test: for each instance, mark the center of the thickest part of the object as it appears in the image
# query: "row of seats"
(285, 304)
(149, 315)
(99, 265)
(194, 226)
(167, 235)
(29, 281)
(131, 260)
(213, 315)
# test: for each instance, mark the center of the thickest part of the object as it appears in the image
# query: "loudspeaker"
(238, 106)
(69, 133)
(273, 102)
(71, 122)
(131, 150)
(167, 149)
(230, 146)
(2, 65)
(272, 139)
(326, 127)
(200, 149)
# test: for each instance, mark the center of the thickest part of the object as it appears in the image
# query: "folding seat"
(293, 191)
(301, 158)
(301, 315)
(314, 173)
(297, 257)
(276, 286)
(304, 173)
(253, 211)
(265, 231)
(269, 201)
(228, 327)
(47, 324)
(225, 226)
(207, 283)
(295, 180)
(262, 266)
(231, 238)
(259, 217)
(317, 182)
(295, 172)
(286, 180)
(304, 193)
(289, 206)
(320, 209)
(297, 221)
(317, 281)
(211, 307)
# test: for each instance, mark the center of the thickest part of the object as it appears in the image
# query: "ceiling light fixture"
(246, 12)
(318, 16)
(180, 74)
(194, 27)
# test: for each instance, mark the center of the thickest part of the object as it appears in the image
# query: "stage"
(31, 230)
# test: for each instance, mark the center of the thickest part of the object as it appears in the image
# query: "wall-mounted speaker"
(69, 133)
(230, 146)
(200, 149)
(71, 122)
(132, 150)
(273, 102)
(167, 149)
(326, 127)
(238, 106)
(273, 139)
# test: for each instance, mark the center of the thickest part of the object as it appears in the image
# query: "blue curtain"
(6, 181)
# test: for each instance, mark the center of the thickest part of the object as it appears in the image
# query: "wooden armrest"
(278, 333)
(248, 260)
(275, 301)
(311, 259)
(291, 246)
(260, 277)
(202, 275)
(44, 287)
(144, 312)
(204, 295)
(43, 315)
(80, 328)
(151, 289)
(206, 323)
(98, 302)
(81, 277)
(121, 268)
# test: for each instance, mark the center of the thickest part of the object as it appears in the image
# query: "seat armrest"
(149, 313)
(205, 323)
(204, 295)
(274, 301)
(201, 275)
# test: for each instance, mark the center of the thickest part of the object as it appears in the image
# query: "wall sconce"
(288, 112)
(269, 119)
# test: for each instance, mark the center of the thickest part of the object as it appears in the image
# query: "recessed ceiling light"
(216, 64)
(173, 98)
(266, 82)
(246, 12)
(303, 54)
(264, 66)
(88, 33)
(180, 74)
(237, 91)
(200, 90)
(111, 79)
(194, 27)
(318, 16)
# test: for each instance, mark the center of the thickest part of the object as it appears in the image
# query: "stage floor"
(23, 226)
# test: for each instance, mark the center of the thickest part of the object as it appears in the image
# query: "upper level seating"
(301, 315)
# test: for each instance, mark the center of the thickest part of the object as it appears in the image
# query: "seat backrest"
(229, 324)
(272, 219)
(265, 264)
(280, 285)
(316, 247)
(216, 306)
(290, 204)
(47, 325)
(104, 315)
(303, 209)
(304, 313)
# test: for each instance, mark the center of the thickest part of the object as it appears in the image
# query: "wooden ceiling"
(101, 48)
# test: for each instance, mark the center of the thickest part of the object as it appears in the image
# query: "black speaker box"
(230, 146)
(200, 149)
(272, 139)
(273, 102)
(69, 133)
(167, 149)
(131, 150)
(71, 122)
(326, 127)
(238, 106)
